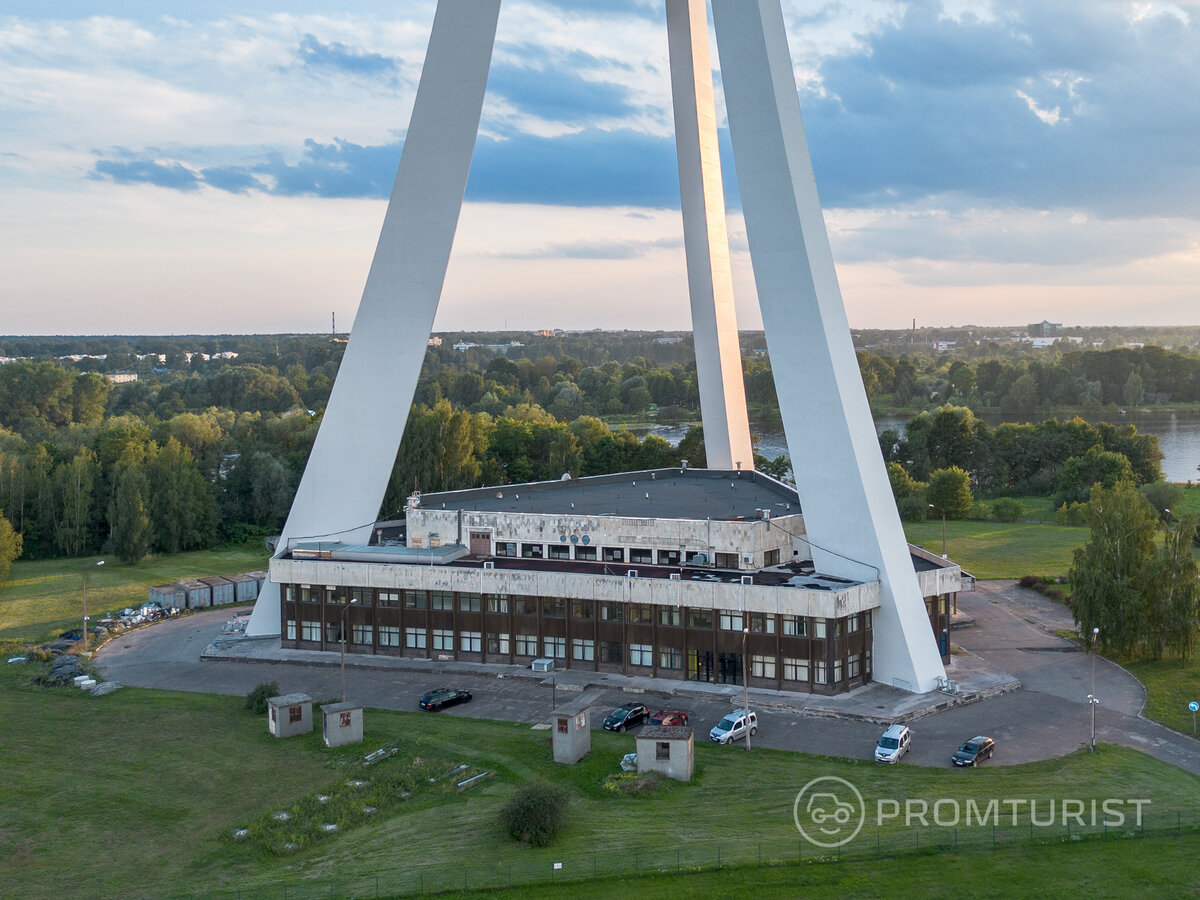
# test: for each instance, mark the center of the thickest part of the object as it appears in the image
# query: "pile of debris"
(64, 670)
(118, 623)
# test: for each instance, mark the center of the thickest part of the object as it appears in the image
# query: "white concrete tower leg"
(351, 460)
(849, 512)
(706, 240)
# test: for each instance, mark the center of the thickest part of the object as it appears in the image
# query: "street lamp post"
(1092, 701)
(746, 685)
(931, 506)
(345, 625)
(85, 615)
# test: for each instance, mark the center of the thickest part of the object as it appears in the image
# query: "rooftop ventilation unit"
(675, 576)
(747, 579)
(632, 573)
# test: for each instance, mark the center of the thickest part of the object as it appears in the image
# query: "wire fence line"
(870, 843)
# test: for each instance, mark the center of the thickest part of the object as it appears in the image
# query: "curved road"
(1014, 631)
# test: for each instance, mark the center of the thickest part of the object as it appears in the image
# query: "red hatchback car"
(669, 717)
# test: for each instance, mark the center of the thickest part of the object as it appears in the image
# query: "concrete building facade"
(697, 579)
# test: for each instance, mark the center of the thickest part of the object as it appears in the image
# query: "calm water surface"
(1178, 437)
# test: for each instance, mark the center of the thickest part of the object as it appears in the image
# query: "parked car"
(443, 697)
(669, 717)
(734, 727)
(625, 717)
(974, 751)
(893, 744)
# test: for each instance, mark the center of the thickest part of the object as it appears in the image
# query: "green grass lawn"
(1170, 686)
(135, 794)
(1191, 501)
(1159, 866)
(42, 597)
(1002, 550)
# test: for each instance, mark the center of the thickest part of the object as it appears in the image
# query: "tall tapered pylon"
(850, 516)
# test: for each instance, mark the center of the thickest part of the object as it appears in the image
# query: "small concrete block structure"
(571, 734)
(223, 590)
(342, 724)
(289, 715)
(668, 750)
(245, 588)
(168, 596)
(199, 594)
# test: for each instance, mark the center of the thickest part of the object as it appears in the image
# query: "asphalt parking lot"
(1014, 631)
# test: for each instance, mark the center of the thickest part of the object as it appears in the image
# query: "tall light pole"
(746, 683)
(1092, 701)
(85, 615)
(345, 624)
(931, 506)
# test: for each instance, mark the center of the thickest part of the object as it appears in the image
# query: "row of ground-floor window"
(784, 652)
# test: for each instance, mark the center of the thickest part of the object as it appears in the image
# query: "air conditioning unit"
(632, 573)
(489, 565)
(747, 579)
(675, 576)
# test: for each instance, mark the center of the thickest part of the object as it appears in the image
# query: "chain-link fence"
(871, 842)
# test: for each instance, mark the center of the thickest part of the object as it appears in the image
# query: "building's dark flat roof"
(651, 494)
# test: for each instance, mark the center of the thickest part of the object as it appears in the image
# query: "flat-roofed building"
(643, 573)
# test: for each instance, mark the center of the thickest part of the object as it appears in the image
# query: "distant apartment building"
(1044, 329)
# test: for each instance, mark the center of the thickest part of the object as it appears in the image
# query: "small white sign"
(558, 865)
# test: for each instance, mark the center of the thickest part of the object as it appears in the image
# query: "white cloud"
(975, 154)
(1049, 116)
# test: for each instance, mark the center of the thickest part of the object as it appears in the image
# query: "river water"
(1178, 437)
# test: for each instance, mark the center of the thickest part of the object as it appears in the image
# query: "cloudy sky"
(224, 168)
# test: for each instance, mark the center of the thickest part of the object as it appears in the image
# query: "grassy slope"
(1170, 686)
(163, 775)
(1155, 866)
(42, 597)
(1033, 509)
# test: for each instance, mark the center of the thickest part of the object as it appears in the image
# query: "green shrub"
(1007, 510)
(1071, 514)
(535, 813)
(913, 508)
(256, 700)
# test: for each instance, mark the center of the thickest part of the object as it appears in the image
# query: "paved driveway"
(1014, 631)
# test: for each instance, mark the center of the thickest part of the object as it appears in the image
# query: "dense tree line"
(1064, 379)
(180, 462)
(1049, 458)
(199, 450)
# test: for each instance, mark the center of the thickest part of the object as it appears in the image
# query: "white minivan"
(734, 726)
(893, 744)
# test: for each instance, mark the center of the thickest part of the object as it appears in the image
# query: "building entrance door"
(700, 665)
(729, 668)
(481, 543)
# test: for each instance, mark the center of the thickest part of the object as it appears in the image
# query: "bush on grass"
(535, 813)
(1007, 510)
(256, 700)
